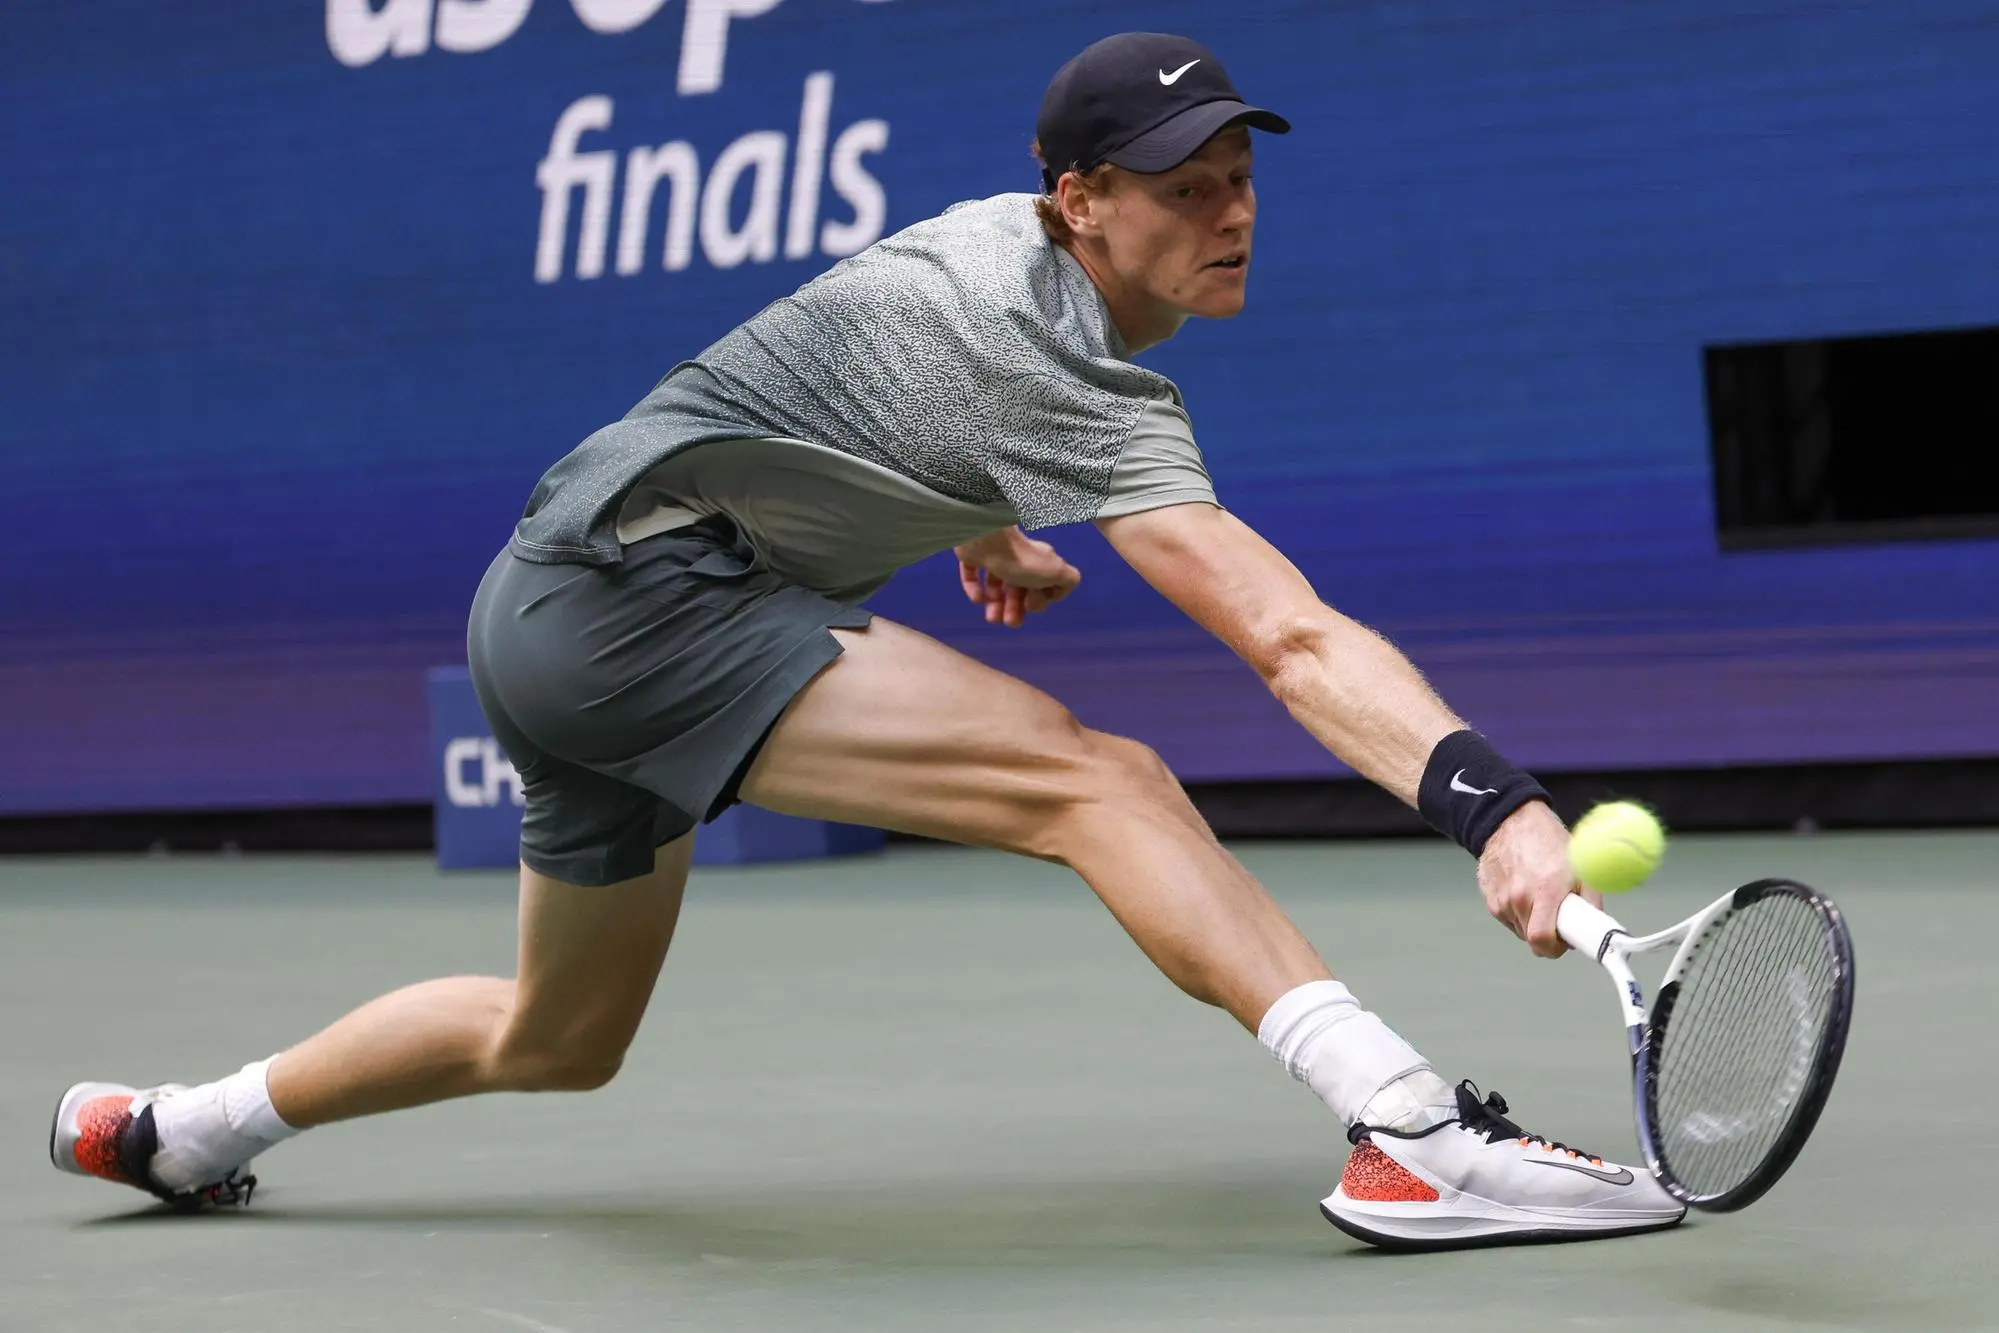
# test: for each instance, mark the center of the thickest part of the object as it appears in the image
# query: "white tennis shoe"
(1479, 1179)
(107, 1130)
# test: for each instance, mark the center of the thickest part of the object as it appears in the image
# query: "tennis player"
(676, 624)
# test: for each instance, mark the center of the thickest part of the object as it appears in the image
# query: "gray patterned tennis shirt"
(959, 376)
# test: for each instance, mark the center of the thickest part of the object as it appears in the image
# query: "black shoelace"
(234, 1189)
(1488, 1118)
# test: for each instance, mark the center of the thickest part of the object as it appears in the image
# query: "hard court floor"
(940, 1089)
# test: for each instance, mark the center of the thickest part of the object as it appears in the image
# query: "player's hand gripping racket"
(1735, 1062)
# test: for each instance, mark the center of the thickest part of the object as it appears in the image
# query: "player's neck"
(1141, 319)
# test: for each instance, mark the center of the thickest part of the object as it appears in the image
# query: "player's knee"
(1132, 771)
(557, 1071)
(582, 1061)
(572, 1074)
(1111, 777)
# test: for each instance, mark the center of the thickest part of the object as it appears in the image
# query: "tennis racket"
(1734, 1064)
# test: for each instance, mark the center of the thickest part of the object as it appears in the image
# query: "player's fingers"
(1016, 606)
(968, 579)
(1542, 937)
(1510, 913)
(1590, 896)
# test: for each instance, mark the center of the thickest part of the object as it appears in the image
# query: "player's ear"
(1080, 202)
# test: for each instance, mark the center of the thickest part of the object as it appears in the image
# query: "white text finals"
(764, 193)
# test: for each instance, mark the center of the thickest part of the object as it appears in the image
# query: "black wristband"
(1468, 790)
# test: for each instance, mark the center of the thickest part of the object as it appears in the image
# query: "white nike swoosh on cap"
(1170, 79)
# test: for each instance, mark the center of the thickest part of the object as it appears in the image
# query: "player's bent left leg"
(1480, 1179)
(589, 958)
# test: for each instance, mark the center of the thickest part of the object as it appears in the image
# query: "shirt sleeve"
(1160, 466)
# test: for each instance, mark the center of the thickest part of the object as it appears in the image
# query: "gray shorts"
(633, 698)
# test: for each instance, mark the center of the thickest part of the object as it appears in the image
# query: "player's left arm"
(1012, 575)
(1354, 691)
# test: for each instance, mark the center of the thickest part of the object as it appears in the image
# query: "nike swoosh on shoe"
(1621, 1176)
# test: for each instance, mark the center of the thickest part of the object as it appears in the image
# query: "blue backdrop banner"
(300, 300)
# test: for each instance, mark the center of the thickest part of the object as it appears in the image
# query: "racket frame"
(1595, 933)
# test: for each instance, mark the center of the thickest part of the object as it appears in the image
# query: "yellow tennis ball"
(1616, 846)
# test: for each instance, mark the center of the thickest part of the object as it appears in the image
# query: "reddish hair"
(1049, 211)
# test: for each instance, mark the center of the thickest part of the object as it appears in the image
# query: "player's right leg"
(906, 733)
(903, 732)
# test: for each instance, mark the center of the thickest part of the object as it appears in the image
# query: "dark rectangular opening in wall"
(1855, 439)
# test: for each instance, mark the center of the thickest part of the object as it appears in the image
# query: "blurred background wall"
(299, 301)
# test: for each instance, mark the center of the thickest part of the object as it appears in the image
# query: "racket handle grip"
(1585, 928)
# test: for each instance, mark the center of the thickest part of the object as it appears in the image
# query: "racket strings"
(1739, 1045)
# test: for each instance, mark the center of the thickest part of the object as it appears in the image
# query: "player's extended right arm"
(1352, 689)
(1348, 686)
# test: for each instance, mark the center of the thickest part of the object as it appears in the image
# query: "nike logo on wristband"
(1458, 784)
(1621, 1176)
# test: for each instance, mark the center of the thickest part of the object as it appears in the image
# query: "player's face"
(1182, 237)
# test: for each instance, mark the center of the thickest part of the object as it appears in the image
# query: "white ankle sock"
(209, 1131)
(1361, 1070)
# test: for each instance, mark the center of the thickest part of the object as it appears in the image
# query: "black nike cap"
(1144, 101)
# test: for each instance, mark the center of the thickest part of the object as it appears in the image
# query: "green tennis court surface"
(940, 1089)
